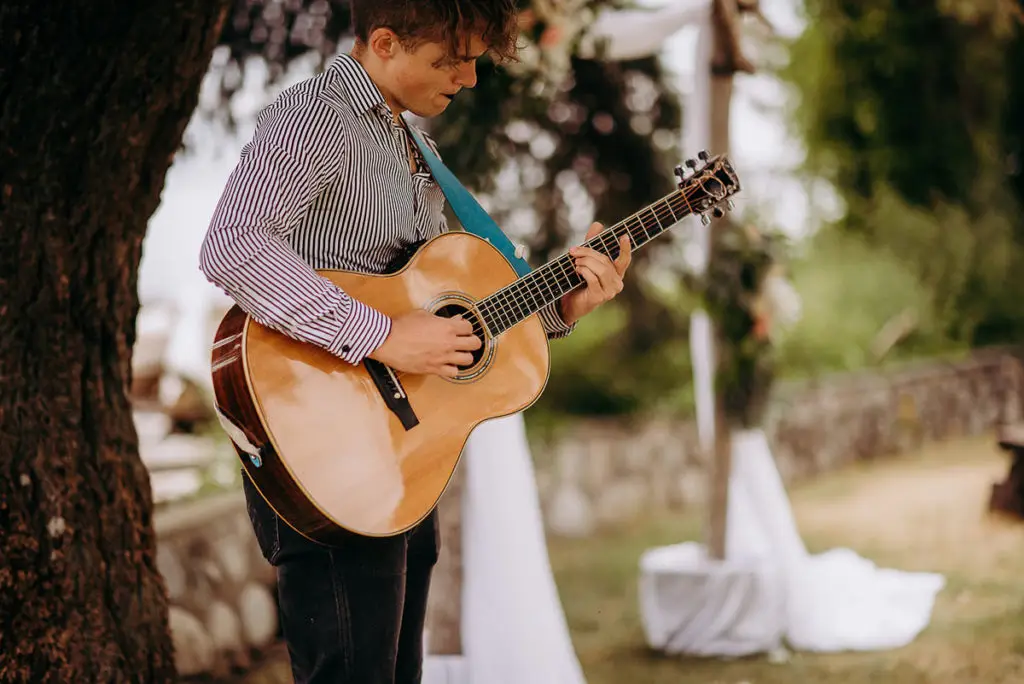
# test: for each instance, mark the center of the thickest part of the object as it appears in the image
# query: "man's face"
(425, 79)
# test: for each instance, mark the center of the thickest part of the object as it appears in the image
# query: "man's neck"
(371, 67)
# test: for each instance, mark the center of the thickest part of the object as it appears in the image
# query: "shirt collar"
(363, 93)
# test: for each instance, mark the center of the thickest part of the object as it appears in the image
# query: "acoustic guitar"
(338, 449)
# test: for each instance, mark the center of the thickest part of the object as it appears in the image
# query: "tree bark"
(94, 99)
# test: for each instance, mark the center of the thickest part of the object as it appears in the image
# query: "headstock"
(708, 184)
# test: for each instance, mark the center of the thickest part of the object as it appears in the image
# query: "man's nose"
(466, 75)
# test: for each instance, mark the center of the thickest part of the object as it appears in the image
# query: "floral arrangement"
(747, 294)
(550, 31)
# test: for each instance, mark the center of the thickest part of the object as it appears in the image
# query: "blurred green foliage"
(914, 110)
(849, 291)
(592, 376)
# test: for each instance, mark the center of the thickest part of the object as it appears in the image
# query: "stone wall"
(601, 472)
(221, 590)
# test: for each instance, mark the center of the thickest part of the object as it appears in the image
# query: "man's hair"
(442, 21)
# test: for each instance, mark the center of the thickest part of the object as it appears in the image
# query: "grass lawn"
(924, 511)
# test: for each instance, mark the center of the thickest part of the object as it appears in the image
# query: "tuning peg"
(705, 219)
(729, 205)
(718, 212)
(679, 171)
(692, 163)
(703, 155)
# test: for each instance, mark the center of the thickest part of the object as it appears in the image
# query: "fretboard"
(552, 281)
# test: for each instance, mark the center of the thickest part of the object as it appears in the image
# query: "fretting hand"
(602, 275)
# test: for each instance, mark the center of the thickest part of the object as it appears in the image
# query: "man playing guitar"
(331, 179)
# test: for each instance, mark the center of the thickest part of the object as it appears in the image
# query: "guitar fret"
(549, 283)
(545, 279)
(505, 320)
(661, 228)
(646, 226)
(674, 218)
(640, 240)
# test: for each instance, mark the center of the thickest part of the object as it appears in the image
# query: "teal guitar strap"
(469, 212)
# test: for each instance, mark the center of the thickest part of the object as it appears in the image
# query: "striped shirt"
(324, 183)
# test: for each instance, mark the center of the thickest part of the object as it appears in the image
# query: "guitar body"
(317, 437)
(339, 450)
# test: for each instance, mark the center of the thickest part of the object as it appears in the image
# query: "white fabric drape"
(513, 626)
(836, 600)
(638, 33)
(770, 590)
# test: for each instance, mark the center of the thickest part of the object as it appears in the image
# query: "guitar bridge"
(392, 392)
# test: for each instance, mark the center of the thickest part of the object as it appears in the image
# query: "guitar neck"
(547, 284)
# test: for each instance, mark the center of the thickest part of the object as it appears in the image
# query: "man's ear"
(383, 42)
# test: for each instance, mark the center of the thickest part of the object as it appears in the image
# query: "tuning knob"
(729, 205)
(718, 212)
(703, 155)
(691, 163)
(679, 171)
(705, 219)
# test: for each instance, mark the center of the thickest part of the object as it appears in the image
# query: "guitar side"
(333, 459)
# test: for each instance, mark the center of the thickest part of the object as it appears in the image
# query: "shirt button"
(346, 348)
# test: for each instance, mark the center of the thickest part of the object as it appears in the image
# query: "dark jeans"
(351, 613)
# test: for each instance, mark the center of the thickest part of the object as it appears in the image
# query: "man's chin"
(432, 109)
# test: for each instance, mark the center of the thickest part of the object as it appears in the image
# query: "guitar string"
(510, 306)
(492, 305)
(512, 299)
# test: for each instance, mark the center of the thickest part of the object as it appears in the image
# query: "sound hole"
(453, 310)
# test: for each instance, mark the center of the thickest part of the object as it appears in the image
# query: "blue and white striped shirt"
(324, 183)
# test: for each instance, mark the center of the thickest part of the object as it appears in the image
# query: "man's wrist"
(563, 313)
(364, 331)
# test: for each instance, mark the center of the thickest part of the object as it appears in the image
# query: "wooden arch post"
(726, 60)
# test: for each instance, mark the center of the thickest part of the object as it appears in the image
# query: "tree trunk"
(94, 99)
